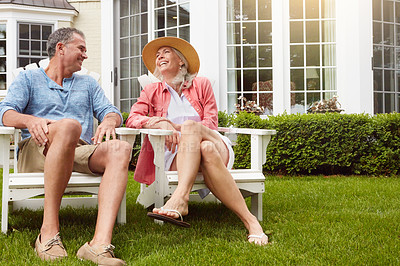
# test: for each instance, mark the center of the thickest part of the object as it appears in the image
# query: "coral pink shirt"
(154, 101)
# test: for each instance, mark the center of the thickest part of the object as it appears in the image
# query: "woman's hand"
(171, 141)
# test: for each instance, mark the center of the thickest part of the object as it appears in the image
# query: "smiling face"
(168, 62)
(73, 53)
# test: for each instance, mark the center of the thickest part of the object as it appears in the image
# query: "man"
(54, 108)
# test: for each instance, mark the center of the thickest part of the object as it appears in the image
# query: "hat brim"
(150, 50)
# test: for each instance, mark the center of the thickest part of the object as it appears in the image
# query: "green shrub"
(328, 143)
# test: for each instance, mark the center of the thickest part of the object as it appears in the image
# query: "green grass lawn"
(310, 221)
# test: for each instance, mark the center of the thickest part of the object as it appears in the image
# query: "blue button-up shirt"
(80, 98)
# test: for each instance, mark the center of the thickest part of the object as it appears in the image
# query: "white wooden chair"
(19, 189)
(249, 181)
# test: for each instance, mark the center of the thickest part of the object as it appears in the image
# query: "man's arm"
(37, 126)
(107, 128)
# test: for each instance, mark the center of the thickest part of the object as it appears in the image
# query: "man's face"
(74, 53)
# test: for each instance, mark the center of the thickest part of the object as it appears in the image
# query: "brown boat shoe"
(102, 255)
(52, 250)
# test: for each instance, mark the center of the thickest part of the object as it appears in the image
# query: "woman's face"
(168, 62)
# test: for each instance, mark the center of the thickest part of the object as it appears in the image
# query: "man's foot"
(52, 250)
(261, 239)
(102, 254)
(177, 205)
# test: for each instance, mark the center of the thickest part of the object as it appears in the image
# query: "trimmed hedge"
(325, 144)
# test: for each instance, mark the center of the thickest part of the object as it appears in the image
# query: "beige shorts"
(31, 158)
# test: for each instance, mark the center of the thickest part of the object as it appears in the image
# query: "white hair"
(183, 74)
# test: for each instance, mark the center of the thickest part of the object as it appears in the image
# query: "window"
(32, 42)
(386, 49)
(133, 37)
(3, 52)
(249, 53)
(172, 18)
(312, 52)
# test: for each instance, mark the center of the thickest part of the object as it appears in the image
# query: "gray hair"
(182, 76)
(63, 35)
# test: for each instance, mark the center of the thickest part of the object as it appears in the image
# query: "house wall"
(89, 21)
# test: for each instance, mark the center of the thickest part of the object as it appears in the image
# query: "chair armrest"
(7, 130)
(156, 132)
(249, 131)
(127, 134)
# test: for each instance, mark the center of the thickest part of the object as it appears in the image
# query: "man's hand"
(38, 128)
(107, 128)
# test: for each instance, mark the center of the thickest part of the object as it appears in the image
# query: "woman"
(186, 105)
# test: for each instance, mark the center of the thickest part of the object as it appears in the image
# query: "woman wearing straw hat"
(186, 105)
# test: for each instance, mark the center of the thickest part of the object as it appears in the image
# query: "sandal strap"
(175, 211)
(256, 236)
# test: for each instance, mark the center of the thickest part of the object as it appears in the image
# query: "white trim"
(222, 80)
(62, 14)
(354, 53)
(107, 48)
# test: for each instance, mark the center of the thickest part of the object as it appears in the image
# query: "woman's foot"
(256, 233)
(176, 204)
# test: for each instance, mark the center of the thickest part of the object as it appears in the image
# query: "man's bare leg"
(112, 159)
(60, 150)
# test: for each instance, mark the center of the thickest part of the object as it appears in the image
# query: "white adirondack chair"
(249, 181)
(20, 188)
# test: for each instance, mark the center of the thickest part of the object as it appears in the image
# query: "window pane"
(124, 8)
(378, 58)
(135, 25)
(135, 67)
(124, 27)
(312, 53)
(378, 80)
(313, 97)
(297, 79)
(44, 49)
(389, 102)
(388, 8)
(233, 32)
(3, 66)
(297, 103)
(2, 31)
(249, 56)
(313, 75)
(296, 9)
(388, 34)
(389, 80)
(23, 48)
(296, 56)
(184, 33)
(233, 57)
(377, 33)
(135, 46)
(249, 77)
(378, 103)
(328, 31)
(159, 3)
(35, 32)
(312, 9)
(264, 32)
(397, 12)
(134, 7)
(124, 47)
(160, 19)
(184, 14)
(265, 56)
(377, 9)
(124, 89)
(172, 33)
(46, 31)
(329, 55)
(233, 10)
(389, 57)
(135, 88)
(144, 23)
(143, 7)
(328, 9)
(264, 10)
(249, 10)
(312, 31)
(329, 79)
(172, 16)
(234, 80)
(35, 48)
(296, 32)
(249, 33)
(3, 83)
(24, 31)
(265, 75)
(124, 63)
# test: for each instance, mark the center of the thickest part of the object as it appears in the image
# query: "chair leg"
(4, 216)
(256, 206)
(121, 217)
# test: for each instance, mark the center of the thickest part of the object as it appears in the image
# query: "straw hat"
(150, 50)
